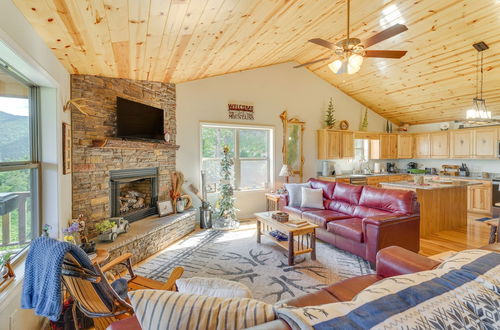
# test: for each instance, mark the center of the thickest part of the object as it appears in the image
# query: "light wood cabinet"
(388, 146)
(347, 150)
(485, 142)
(461, 144)
(422, 145)
(335, 144)
(405, 146)
(439, 145)
(479, 198)
(328, 144)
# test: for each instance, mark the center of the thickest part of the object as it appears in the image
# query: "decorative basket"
(280, 216)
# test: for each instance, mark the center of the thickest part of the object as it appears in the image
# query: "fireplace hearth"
(134, 193)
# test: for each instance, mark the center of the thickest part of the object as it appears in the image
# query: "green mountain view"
(14, 137)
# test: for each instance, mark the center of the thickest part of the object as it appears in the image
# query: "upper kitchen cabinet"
(347, 150)
(335, 144)
(388, 146)
(461, 143)
(422, 145)
(439, 142)
(329, 143)
(485, 142)
(405, 146)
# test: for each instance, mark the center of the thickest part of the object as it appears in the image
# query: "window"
(251, 149)
(18, 162)
(361, 150)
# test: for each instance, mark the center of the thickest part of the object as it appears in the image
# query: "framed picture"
(66, 137)
(165, 208)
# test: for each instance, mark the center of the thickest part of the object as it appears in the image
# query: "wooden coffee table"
(301, 240)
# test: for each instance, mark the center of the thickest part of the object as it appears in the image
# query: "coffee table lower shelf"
(301, 240)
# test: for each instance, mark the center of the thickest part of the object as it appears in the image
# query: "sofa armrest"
(394, 260)
(388, 230)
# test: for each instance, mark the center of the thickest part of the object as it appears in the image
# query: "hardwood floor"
(472, 236)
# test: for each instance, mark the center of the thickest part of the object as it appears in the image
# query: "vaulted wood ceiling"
(183, 40)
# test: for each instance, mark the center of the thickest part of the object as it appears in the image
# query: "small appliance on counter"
(464, 170)
(391, 168)
(431, 170)
(328, 168)
(376, 167)
(412, 166)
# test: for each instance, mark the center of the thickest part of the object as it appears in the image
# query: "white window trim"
(270, 159)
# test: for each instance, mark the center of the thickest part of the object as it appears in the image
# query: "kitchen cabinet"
(422, 145)
(388, 146)
(328, 144)
(485, 142)
(405, 146)
(461, 143)
(347, 150)
(439, 145)
(479, 198)
(335, 144)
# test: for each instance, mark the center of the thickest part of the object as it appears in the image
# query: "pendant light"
(479, 109)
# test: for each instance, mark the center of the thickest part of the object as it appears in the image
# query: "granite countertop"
(473, 177)
(430, 184)
(345, 176)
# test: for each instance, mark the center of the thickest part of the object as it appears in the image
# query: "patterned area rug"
(236, 256)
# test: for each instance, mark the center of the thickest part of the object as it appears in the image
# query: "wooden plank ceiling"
(184, 40)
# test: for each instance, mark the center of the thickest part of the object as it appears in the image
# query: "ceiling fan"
(350, 51)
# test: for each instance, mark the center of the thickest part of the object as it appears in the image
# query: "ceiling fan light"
(336, 66)
(354, 63)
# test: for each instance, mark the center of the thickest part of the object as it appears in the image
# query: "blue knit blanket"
(42, 275)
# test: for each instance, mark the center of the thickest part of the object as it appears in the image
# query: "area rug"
(236, 256)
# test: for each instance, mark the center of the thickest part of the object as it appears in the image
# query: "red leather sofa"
(362, 219)
(391, 261)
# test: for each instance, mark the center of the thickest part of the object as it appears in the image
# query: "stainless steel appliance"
(391, 168)
(495, 198)
(358, 180)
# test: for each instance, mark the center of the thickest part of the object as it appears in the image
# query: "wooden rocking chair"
(97, 299)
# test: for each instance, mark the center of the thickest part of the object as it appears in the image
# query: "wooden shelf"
(118, 143)
(297, 249)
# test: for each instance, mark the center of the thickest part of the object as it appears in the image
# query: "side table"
(272, 201)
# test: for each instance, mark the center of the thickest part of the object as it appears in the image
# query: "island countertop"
(429, 184)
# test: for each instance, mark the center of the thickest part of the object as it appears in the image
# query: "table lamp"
(285, 172)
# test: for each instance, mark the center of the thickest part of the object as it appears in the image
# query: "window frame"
(237, 159)
(35, 153)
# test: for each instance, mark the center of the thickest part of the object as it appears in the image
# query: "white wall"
(475, 165)
(24, 50)
(271, 90)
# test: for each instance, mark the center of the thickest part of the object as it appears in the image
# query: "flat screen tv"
(138, 121)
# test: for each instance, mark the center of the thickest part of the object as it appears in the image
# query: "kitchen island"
(443, 204)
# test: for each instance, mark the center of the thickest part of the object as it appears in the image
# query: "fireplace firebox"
(134, 193)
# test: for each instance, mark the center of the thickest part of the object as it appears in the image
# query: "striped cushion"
(157, 309)
(213, 287)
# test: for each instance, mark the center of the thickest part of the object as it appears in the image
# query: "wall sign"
(240, 111)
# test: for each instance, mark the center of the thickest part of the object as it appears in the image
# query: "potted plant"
(107, 230)
(4, 265)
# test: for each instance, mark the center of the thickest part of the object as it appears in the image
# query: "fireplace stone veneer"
(146, 178)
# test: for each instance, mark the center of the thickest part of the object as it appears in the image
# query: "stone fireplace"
(133, 193)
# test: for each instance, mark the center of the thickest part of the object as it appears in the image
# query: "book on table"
(297, 223)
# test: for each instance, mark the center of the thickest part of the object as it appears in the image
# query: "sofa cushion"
(351, 228)
(347, 193)
(326, 186)
(312, 198)
(391, 200)
(322, 217)
(297, 211)
(341, 206)
(295, 193)
(365, 212)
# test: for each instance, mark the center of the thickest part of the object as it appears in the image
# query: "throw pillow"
(213, 287)
(312, 198)
(159, 309)
(295, 193)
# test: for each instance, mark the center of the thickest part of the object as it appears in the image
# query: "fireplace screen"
(134, 193)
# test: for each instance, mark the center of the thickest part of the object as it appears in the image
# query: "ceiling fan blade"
(322, 42)
(312, 62)
(386, 34)
(385, 53)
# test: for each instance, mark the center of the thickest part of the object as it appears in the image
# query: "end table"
(272, 200)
